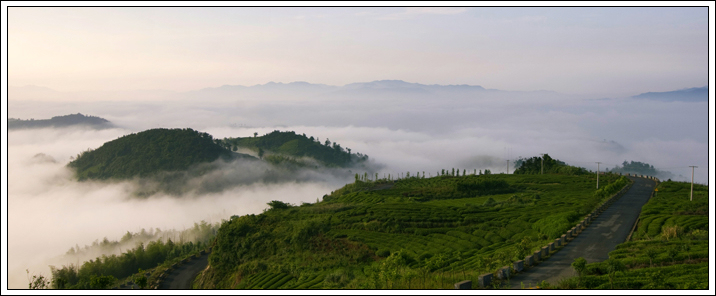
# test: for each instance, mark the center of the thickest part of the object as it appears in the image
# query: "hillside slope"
(414, 232)
(291, 144)
(146, 153)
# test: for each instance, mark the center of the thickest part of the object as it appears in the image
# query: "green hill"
(146, 153)
(414, 232)
(60, 121)
(291, 144)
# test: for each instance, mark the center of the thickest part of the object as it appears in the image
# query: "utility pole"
(598, 174)
(692, 182)
(541, 167)
(508, 165)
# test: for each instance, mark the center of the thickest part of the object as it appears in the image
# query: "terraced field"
(413, 233)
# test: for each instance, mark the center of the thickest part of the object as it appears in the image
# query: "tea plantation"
(424, 233)
(668, 250)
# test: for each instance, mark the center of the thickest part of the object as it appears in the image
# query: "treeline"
(641, 168)
(289, 143)
(146, 153)
(548, 165)
(105, 270)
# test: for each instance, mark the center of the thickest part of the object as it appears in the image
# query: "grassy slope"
(410, 233)
(669, 248)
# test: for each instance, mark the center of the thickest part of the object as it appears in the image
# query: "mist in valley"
(401, 127)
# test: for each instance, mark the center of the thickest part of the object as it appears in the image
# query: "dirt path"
(182, 276)
(594, 244)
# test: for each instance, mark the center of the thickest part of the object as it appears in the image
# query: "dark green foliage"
(275, 204)
(294, 145)
(382, 253)
(147, 153)
(60, 121)
(105, 281)
(535, 164)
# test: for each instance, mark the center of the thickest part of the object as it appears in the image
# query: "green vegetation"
(668, 250)
(536, 165)
(292, 146)
(147, 153)
(157, 255)
(410, 233)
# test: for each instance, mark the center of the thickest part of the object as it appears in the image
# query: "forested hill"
(60, 121)
(145, 153)
(291, 144)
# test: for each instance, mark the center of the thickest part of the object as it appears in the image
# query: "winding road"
(595, 242)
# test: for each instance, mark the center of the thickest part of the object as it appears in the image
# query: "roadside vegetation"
(668, 250)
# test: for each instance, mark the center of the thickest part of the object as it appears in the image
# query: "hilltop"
(147, 153)
(60, 121)
(276, 145)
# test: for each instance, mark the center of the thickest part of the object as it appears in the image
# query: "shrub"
(382, 253)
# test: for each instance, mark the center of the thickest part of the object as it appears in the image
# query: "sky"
(607, 51)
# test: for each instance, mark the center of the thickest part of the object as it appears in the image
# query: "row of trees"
(365, 177)
(548, 165)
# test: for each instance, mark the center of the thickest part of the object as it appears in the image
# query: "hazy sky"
(605, 51)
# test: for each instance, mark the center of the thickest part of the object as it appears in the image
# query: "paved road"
(182, 276)
(594, 244)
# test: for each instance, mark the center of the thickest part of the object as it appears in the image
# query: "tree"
(276, 204)
(261, 153)
(255, 134)
(140, 279)
(579, 265)
(102, 281)
(37, 282)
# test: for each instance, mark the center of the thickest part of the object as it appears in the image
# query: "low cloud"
(400, 130)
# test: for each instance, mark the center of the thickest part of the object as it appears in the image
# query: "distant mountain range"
(60, 121)
(694, 94)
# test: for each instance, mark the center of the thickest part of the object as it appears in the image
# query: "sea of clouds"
(401, 129)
